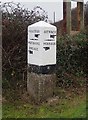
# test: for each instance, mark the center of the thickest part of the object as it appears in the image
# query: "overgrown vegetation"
(15, 20)
(72, 51)
(72, 57)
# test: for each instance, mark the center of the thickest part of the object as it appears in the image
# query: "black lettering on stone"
(37, 35)
(31, 52)
(34, 31)
(33, 39)
(49, 43)
(52, 36)
(46, 48)
(49, 31)
(32, 48)
(34, 43)
(49, 40)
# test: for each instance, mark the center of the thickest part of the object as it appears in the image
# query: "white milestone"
(41, 47)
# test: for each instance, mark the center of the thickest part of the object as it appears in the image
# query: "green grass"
(66, 108)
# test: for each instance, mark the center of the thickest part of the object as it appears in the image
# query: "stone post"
(41, 55)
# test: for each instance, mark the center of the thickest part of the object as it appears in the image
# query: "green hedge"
(71, 68)
(72, 57)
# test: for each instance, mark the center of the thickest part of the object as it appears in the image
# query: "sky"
(50, 6)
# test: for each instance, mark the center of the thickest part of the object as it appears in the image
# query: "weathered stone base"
(40, 86)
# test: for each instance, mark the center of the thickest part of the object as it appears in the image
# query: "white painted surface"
(42, 48)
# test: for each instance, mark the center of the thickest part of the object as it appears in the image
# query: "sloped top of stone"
(42, 24)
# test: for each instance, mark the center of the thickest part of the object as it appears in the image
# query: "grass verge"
(66, 108)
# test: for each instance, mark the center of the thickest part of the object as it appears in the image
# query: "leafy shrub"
(72, 57)
(15, 20)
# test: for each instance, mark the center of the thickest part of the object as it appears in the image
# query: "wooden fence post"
(67, 17)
